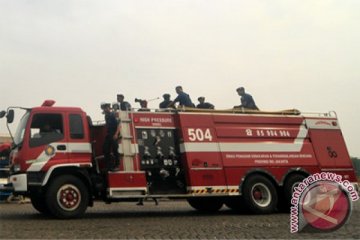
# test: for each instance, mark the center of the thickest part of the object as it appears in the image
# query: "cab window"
(76, 126)
(45, 129)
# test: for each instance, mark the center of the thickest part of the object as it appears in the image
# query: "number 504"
(198, 134)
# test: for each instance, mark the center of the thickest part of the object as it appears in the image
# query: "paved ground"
(170, 220)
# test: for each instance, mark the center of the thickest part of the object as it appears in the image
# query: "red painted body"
(213, 150)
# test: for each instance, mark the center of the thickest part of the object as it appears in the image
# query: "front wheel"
(67, 197)
(38, 202)
(260, 195)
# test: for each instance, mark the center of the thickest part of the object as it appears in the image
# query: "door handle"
(61, 147)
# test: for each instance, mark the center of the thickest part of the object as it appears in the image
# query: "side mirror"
(2, 114)
(10, 116)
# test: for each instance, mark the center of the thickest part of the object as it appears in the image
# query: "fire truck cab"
(245, 159)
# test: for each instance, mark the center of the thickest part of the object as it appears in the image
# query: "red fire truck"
(244, 159)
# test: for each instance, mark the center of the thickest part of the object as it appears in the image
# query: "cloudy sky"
(288, 54)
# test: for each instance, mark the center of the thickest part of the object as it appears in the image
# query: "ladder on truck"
(129, 182)
(127, 149)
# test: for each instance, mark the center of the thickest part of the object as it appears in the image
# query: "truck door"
(47, 141)
(79, 147)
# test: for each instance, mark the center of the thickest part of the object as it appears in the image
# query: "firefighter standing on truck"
(247, 100)
(166, 102)
(183, 98)
(124, 106)
(204, 105)
(111, 139)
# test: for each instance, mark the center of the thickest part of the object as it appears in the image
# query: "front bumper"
(19, 182)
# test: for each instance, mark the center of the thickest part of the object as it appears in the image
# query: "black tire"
(206, 204)
(236, 204)
(260, 195)
(67, 197)
(291, 182)
(39, 203)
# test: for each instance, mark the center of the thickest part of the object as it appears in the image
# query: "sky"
(287, 54)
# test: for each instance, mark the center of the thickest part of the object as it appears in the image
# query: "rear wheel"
(67, 197)
(260, 195)
(288, 190)
(206, 204)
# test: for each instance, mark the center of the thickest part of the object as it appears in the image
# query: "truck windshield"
(20, 131)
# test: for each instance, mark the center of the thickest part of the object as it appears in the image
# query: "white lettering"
(268, 133)
(161, 120)
(197, 134)
(249, 132)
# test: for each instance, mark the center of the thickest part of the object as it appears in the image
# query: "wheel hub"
(69, 197)
(261, 195)
(257, 195)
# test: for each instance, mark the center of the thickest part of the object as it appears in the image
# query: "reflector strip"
(224, 190)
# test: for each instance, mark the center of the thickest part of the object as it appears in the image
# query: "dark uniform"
(205, 105)
(184, 100)
(247, 101)
(110, 144)
(166, 102)
(125, 106)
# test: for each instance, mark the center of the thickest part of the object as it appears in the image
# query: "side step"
(123, 184)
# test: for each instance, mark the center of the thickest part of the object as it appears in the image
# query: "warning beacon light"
(48, 103)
